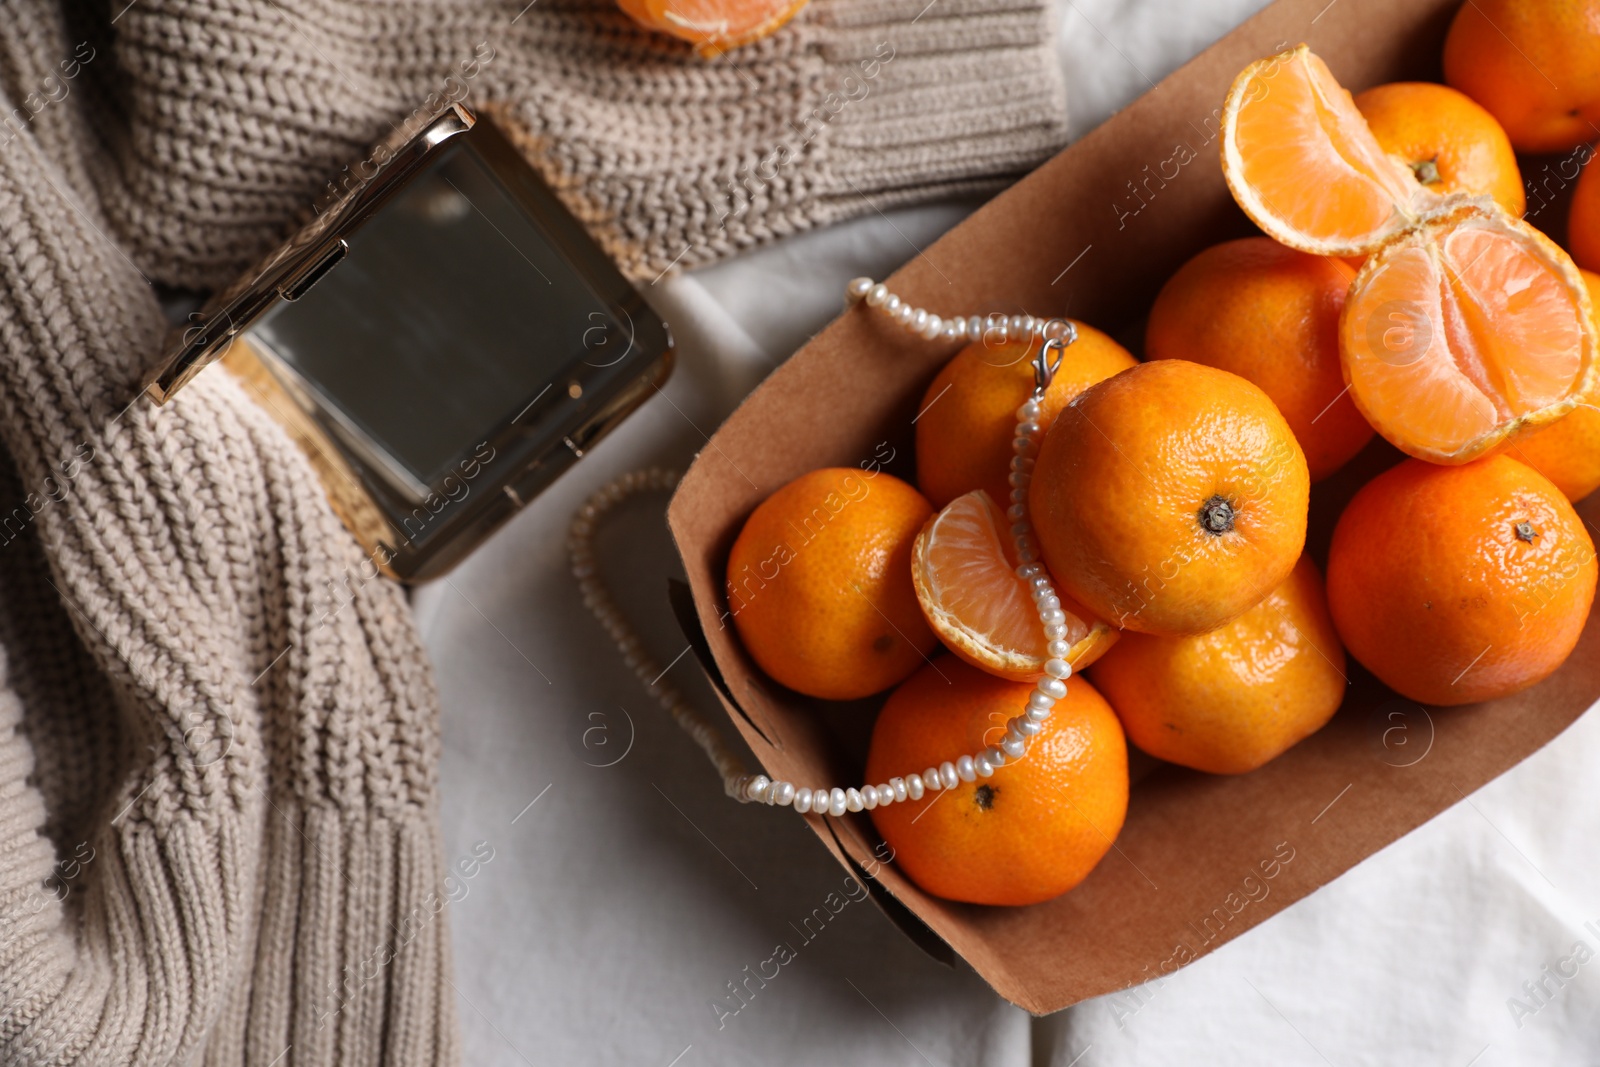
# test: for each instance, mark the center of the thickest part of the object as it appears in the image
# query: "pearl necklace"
(747, 788)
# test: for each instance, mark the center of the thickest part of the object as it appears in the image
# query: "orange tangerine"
(1460, 584)
(1451, 144)
(1030, 831)
(1170, 498)
(1228, 700)
(1535, 64)
(968, 415)
(819, 583)
(1583, 224)
(1270, 314)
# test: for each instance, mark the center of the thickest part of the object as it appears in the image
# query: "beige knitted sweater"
(218, 737)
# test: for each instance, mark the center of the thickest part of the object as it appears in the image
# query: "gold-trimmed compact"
(443, 339)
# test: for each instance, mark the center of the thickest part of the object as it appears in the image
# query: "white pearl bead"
(1017, 511)
(1018, 479)
(1028, 429)
(782, 794)
(1022, 463)
(930, 780)
(964, 769)
(1019, 496)
(1052, 615)
(1039, 582)
(1029, 571)
(1045, 599)
(947, 775)
(1058, 649)
(853, 800)
(1014, 746)
(903, 313)
(892, 304)
(885, 795)
(836, 802)
(919, 319)
(1022, 446)
(1029, 411)
(932, 327)
(1055, 629)
(757, 787)
(899, 787)
(914, 788)
(869, 797)
(954, 330)
(995, 755)
(981, 764)
(1037, 699)
(802, 800)
(877, 295)
(975, 327)
(1015, 326)
(858, 288)
(1051, 687)
(1040, 714)
(1058, 668)
(1025, 726)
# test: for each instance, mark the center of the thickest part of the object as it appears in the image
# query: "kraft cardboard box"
(1093, 234)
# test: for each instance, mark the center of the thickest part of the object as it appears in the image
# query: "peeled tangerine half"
(1465, 326)
(1302, 163)
(1465, 332)
(968, 587)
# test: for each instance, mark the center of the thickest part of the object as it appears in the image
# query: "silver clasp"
(1058, 334)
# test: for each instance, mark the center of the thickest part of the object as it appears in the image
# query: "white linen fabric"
(621, 901)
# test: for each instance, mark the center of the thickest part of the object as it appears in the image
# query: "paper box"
(1093, 234)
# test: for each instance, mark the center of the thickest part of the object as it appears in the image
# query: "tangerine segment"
(713, 26)
(967, 585)
(1464, 332)
(1568, 452)
(1302, 163)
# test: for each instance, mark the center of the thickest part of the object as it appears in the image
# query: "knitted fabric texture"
(218, 733)
(239, 111)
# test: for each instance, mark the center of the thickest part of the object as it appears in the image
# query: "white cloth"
(618, 907)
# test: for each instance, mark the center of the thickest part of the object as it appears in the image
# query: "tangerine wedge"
(713, 26)
(969, 590)
(1303, 164)
(1464, 332)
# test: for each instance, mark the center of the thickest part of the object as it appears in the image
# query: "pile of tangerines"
(1396, 291)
